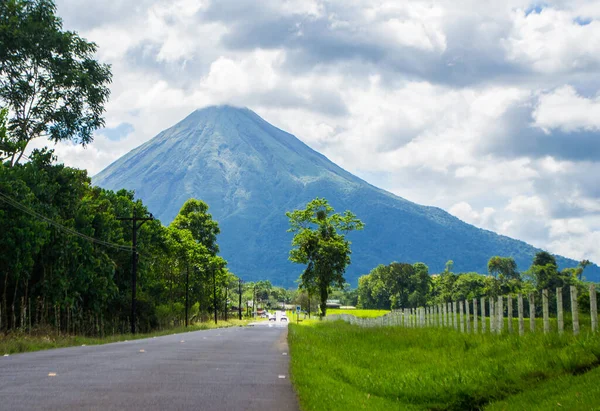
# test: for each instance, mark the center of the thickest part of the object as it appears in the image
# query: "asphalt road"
(222, 369)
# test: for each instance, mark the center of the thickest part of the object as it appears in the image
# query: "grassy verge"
(565, 392)
(358, 313)
(336, 366)
(19, 342)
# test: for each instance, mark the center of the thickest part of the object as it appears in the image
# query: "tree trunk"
(323, 305)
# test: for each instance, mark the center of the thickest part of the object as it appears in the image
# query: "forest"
(402, 285)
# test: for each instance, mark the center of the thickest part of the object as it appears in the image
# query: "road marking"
(51, 374)
(282, 377)
(142, 350)
(284, 353)
(182, 341)
(83, 345)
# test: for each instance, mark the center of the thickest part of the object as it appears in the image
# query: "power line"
(11, 201)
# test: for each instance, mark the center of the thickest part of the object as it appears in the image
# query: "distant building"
(333, 304)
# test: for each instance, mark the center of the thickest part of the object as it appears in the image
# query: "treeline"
(401, 285)
(75, 272)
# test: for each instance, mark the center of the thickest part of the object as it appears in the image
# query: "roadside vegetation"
(337, 366)
(44, 339)
(358, 312)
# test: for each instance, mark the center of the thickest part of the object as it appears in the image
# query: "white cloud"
(527, 206)
(576, 237)
(564, 109)
(406, 94)
(552, 41)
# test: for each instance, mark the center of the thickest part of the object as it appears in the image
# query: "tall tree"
(194, 217)
(49, 80)
(503, 267)
(320, 243)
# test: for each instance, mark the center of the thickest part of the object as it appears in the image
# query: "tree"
(49, 80)
(318, 244)
(543, 258)
(194, 217)
(503, 268)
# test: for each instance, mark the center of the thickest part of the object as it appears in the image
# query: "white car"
(283, 318)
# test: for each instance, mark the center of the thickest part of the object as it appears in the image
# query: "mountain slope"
(250, 173)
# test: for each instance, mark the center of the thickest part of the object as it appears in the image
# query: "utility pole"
(240, 303)
(187, 289)
(254, 302)
(134, 258)
(226, 292)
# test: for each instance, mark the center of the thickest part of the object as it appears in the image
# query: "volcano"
(250, 173)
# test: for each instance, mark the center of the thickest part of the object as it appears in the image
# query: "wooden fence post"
(546, 311)
(593, 307)
(559, 310)
(449, 314)
(475, 330)
(520, 313)
(467, 316)
(509, 311)
(492, 316)
(454, 314)
(461, 316)
(483, 320)
(500, 314)
(574, 310)
(532, 312)
(440, 319)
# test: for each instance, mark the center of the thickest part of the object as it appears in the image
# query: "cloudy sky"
(488, 109)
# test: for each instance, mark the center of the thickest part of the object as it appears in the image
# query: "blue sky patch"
(535, 8)
(119, 132)
(582, 21)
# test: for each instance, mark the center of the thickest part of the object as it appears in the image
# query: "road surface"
(222, 369)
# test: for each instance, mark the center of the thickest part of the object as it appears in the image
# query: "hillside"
(250, 173)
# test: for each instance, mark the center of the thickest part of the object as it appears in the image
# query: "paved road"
(223, 369)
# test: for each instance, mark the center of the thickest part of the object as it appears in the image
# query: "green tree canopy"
(49, 80)
(194, 217)
(320, 243)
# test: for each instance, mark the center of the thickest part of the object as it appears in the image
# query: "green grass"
(337, 366)
(358, 313)
(19, 342)
(565, 392)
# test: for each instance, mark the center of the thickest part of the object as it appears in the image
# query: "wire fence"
(491, 314)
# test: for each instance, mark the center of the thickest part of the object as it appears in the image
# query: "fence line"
(470, 316)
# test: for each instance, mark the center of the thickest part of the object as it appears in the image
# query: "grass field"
(358, 313)
(337, 366)
(19, 342)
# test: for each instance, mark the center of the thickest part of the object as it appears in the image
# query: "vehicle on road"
(272, 317)
(283, 318)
